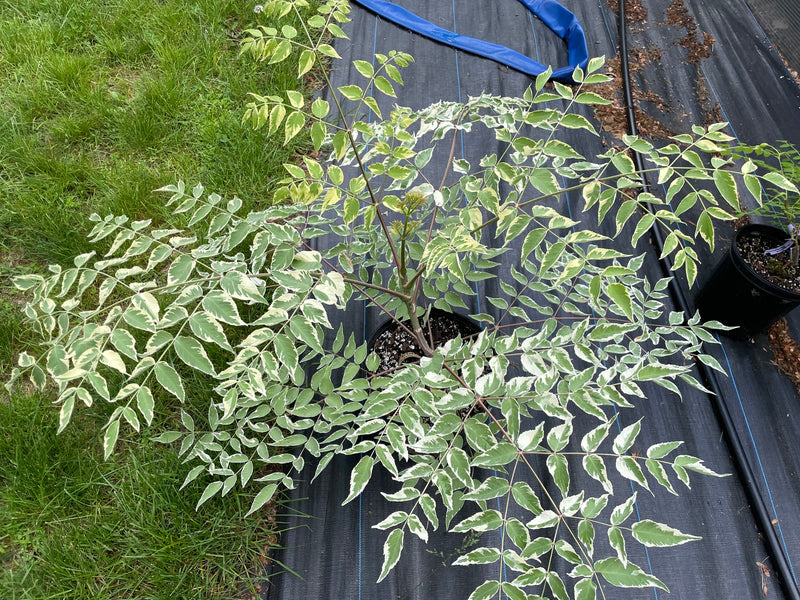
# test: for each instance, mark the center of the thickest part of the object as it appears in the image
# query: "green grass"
(75, 526)
(102, 102)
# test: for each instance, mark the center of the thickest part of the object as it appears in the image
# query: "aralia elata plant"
(514, 417)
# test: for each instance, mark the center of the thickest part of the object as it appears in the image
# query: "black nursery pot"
(737, 295)
(396, 347)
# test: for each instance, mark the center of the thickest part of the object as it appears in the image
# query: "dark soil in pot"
(397, 347)
(778, 269)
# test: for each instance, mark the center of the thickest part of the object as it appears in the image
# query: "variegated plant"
(523, 413)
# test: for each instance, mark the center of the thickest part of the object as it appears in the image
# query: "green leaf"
(295, 98)
(615, 572)
(629, 468)
(705, 229)
(512, 592)
(545, 520)
(586, 535)
(327, 49)
(525, 496)
(208, 493)
(500, 454)
(623, 163)
(264, 495)
(617, 541)
(458, 461)
(191, 352)
(110, 439)
(239, 286)
(145, 402)
(532, 241)
(559, 470)
(560, 149)
(574, 121)
(169, 380)
(694, 464)
(205, 327)
(99, 384)
(392, 549)
(222, 307)
(276, 116)
(658, 371)
(618, 292)
(305, 63)
(359, 478)
(180, 270)
(416, 527)
(491, 488)
(123, 341)
(65, 413)
(285, 350)
(551, 256)
(627, 437)
(294, 124)
(167, 437)
(318, 132)
(113, 360)
(585, 589)
(657, 451)
(621, 513)
(592, 440)
(140, 319)
(596, 469)
(658, 535)
(306, 332)
(726, 185)
(365, 68)
(282, 52)
(487, 520)
(351, 92)
(779, 180)
(485, 591)
(385, 86)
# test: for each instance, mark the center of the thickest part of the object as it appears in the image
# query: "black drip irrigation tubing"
(757, 504)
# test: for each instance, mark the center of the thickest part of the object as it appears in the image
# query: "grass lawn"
(101, 102)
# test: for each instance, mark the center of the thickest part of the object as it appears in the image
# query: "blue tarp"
(561, 21)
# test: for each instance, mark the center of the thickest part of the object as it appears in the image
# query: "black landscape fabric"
(692, 61)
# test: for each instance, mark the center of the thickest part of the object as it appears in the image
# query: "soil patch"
(698, 46)
(396, 346)
(778, 269)
(635, 12)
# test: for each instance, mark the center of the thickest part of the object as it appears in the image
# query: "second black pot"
(737, 295)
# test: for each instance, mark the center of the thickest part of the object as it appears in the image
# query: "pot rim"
(750, 274)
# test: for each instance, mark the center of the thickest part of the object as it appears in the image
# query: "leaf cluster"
(776, 194)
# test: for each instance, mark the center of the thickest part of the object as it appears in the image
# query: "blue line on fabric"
(533, 31)
(758, 457)
(561, 21)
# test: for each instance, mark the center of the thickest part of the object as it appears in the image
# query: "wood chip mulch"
(785, 351)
